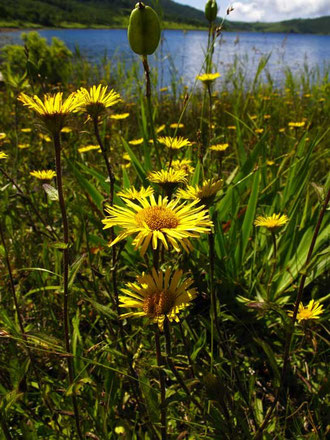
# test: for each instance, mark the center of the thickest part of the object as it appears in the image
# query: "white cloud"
(276, 10)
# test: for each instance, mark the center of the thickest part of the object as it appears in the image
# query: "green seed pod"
(211, 10)
(143, 30)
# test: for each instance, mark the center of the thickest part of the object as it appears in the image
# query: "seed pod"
(211, 10)
(143, 30)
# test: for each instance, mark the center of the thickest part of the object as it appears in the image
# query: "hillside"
(115, 13)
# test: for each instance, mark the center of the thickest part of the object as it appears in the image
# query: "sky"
(268, 10)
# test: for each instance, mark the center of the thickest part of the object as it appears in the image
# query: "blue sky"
(268, 10)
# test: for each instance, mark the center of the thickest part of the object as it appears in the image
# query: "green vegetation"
(236, 352)
(114, 13)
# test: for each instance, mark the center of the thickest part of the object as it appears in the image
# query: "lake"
(184, 50)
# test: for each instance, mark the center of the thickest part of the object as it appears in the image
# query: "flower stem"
(269, 284)
(106, 160)
(163, 406)
(286, 356)
(57, 145)
(149, 105)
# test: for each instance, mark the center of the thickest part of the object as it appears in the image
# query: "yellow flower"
(270, 162)
(163, 89)
(231, 127)
(271, 222)
(66, 130)
(44, 137)
(53, 110)
(43, 174)
(266, 116)
(134, 194)
(174, 143)
(3, 155)
(26, 130)
(168, 179)
(96, 100)
(253, 117)
(184, 164)
(2, 136)
(160, 128)
(259, 130)
(281, 130)
(89, 148)
(23, 146)
(175, 125)
(204, 194)
(208, 78)
(168, 221)
(297, 124)
(136, 141)
(157, 295)
(120, 116)
(219, 147)
(312, 311)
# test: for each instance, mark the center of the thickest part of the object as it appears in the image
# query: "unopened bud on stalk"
(143, 30)
(211, 10)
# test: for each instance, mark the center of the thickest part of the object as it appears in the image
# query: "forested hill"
(115, 13)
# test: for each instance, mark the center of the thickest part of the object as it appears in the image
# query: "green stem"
(286, 356)
(163, 406)
(149, 105)
(57, 145)
(274, 264)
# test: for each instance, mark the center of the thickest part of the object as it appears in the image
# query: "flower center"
(305, 314)
(158, 303)
(157, 217)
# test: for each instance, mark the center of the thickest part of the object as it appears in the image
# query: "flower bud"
(143, 30)
(211, 10)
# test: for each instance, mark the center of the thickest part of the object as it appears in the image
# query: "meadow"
(136, 303)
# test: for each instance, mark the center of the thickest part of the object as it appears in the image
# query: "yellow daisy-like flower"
(23, 146)
(96, 100)
(220, 148)
(184, 164)
(43, 174)
(267, 116)
(169, 222)
(259, 130)
(163, 89)
(120, 116)
(175, 125)
(160, 128)
(53, 110)
(174, 143)
(168, 179)
(231, 127)
(26, 130)
(270, 162)
(158, 295)
(281, 130)
(2, 136)
(296, 124)
(89, 148)
(136, 141)
(3, 155)
(136, 194)
(204, 194)
(312, 311)
(208, 78)
(271, 222)
(66, 130)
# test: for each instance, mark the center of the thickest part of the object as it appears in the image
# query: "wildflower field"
(163, 252)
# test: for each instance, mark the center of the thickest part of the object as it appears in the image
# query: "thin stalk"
(105, 157)
(286, 356)
(210, 112)
(269, 284)
(163, 406)
(149, 105)
(57, 145)
(5, 429)
(172, 366)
